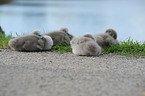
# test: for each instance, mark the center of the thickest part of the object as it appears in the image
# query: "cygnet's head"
(111, 32)
(49, 42)
(64, 29)
(12, 43)
(89, 36)
(36, 32)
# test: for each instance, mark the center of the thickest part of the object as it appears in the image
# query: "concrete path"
(55, 74)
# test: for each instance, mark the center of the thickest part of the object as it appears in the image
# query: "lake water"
(126, 17)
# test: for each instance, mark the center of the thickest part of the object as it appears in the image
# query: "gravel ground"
(55, 74)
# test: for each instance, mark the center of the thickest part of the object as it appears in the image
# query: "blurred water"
(126, 17)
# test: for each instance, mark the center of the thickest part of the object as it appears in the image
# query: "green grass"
(4, 41)
(61, 48)
(127, 48)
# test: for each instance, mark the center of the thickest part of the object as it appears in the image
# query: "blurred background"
(127, 17)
